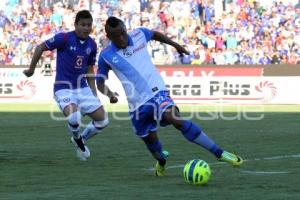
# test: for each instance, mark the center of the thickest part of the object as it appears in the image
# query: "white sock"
(75, 132)
(89, 131)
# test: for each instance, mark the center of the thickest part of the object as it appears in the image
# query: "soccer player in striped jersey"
(148, 98)
(74, 87)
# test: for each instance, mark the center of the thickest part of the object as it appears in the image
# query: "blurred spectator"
(246, 32)
(276, 58)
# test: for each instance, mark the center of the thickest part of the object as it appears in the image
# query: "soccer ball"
(196, 172)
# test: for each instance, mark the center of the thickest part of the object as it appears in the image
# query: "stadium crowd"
(243, 32)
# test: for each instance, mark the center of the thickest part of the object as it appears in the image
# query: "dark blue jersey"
(73, 58)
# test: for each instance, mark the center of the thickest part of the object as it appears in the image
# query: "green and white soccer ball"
(196, 172)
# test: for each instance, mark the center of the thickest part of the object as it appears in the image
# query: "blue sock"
(156, 150)
(194, 134)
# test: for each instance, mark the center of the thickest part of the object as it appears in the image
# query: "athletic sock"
(156, 150)
(194, 134)
(90, 131)
(74, 130)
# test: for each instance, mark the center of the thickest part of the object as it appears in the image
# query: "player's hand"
(114, 98)
(28, 72)
(181, 50)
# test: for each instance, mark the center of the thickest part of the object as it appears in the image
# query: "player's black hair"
(113, 22)
(83, 14)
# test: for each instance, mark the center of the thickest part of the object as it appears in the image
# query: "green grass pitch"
(37, 160)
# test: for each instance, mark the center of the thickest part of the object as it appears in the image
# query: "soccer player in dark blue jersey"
(74, 87)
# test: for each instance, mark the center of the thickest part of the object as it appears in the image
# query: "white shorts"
(82, 97)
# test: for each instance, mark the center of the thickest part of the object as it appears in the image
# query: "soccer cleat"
(82, 150)
(159, 170)
(166, 153)
(231, 158)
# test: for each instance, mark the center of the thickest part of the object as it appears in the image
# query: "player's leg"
(168, 113)
(195, 134)
(92, 106)
(190, 130)
(154, 146)
(74, 118)
(67, 102)
(145, 126)
(99, 121)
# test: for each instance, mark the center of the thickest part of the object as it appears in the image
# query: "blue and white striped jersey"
(134, 68)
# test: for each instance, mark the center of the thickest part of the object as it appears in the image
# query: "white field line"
(262, 172)
(247, 160)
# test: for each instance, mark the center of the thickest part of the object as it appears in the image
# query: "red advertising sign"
(187, 71)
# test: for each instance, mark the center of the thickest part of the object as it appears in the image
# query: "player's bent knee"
(101, 124)
(74, 118)
(178, 124)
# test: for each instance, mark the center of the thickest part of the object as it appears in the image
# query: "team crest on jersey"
(51, 40)
(127, 53)
(73, 48)
(88, 51)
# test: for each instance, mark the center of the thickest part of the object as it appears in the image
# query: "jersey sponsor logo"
(79, 61)
(127, 53)
(139, 47)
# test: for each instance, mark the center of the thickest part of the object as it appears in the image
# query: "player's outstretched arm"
(35, 58)
(164, 39)
(104, 89)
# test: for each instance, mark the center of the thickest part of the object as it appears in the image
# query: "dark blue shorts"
(145, 118)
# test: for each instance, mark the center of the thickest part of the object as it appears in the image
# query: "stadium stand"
(241, 32)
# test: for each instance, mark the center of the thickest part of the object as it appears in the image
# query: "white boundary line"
(262, 172)
(247, 160)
